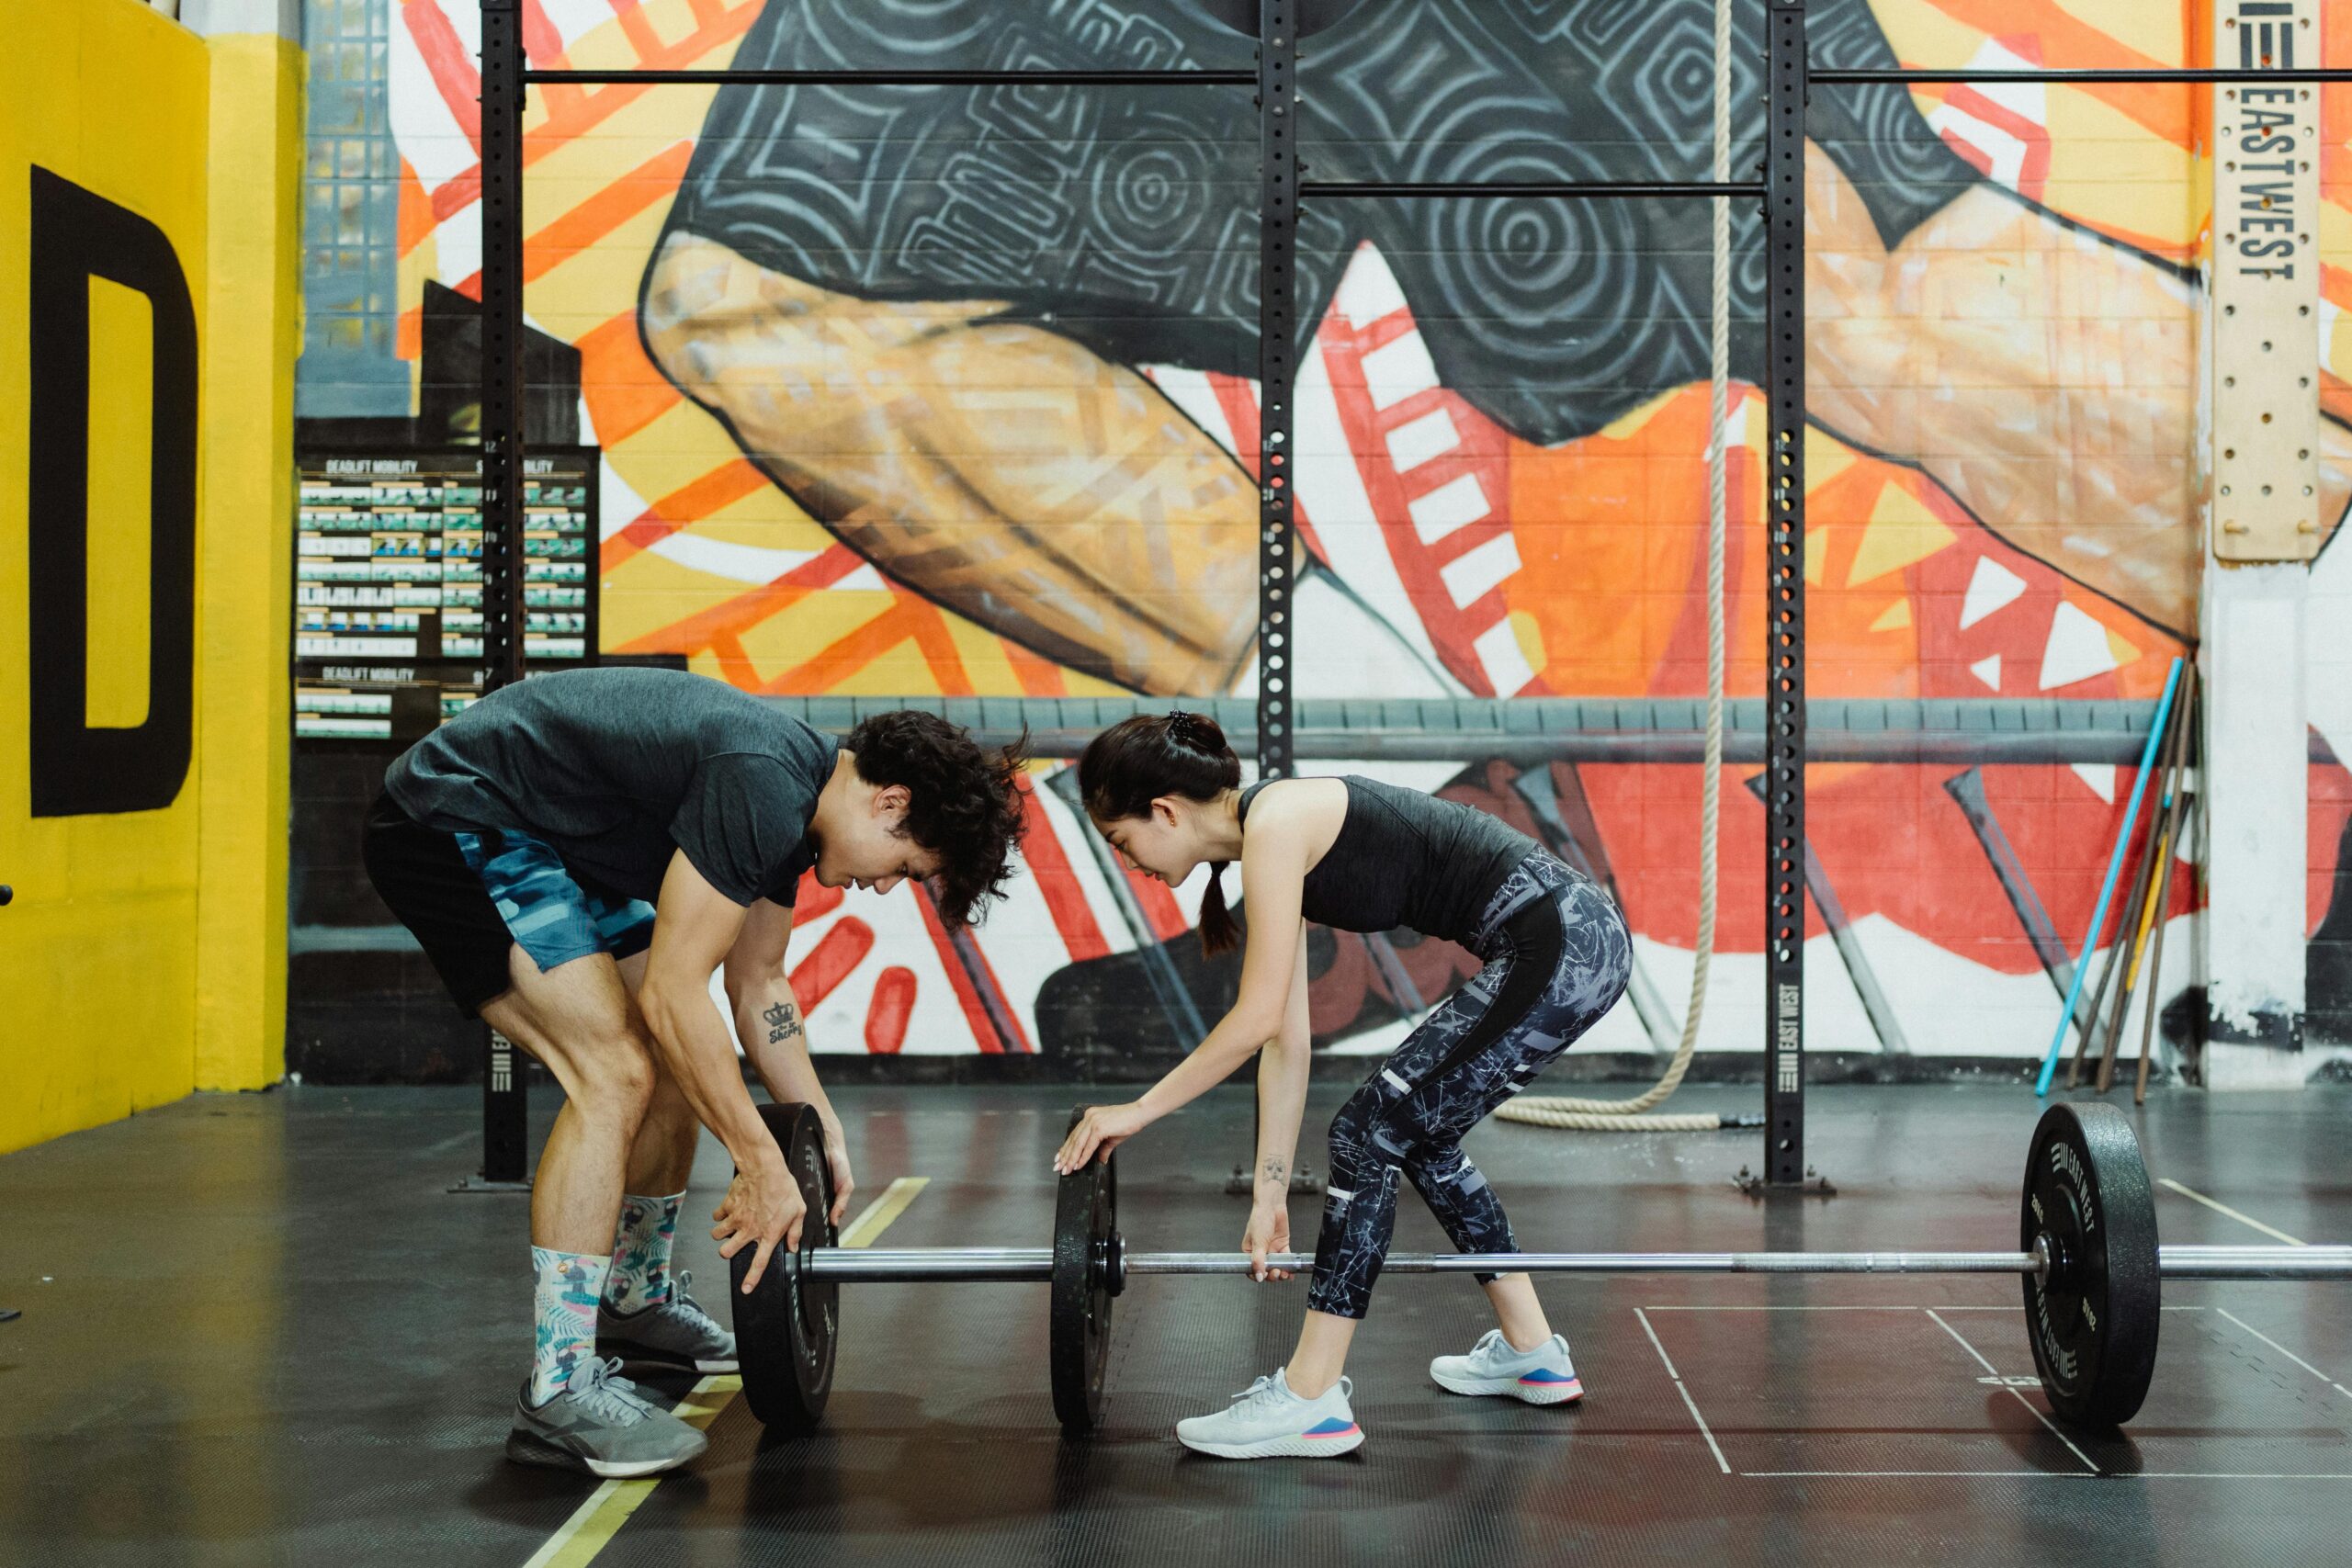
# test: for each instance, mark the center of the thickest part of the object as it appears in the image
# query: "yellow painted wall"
(143, 955)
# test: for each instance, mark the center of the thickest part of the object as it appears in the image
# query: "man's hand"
(837, 1156)
(1100, 1130)
(763, 1208)
(1269, 1232)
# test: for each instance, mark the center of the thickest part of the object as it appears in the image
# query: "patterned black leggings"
(1557, 955)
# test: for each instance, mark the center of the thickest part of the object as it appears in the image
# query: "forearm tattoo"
(1275, 1170)
(783, 1022)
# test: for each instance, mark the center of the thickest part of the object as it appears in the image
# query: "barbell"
(2089, 1259)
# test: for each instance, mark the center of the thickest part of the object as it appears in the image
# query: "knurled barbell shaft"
(1613, 1263)
(1035, 1264)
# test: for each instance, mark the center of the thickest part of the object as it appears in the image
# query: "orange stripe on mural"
(847, 655)
(682, 508)
(2069, 43)
(939, 651)
(1039, 677)
(654, 180)
(720, 628)
(417, 217)
(626, 391)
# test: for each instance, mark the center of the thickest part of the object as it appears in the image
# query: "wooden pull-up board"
(2265, 457)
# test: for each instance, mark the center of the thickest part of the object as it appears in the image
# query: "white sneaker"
(1267, 1420)
(1542, 1376)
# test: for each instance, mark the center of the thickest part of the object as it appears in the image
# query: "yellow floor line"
(2225, 1209)
(596, 1521)
(861, 1231)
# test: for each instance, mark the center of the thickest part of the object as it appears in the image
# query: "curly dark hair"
(965, 802)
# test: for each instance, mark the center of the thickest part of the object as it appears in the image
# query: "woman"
(1358, 856)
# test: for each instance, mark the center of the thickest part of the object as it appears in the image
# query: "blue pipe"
(2114, 869)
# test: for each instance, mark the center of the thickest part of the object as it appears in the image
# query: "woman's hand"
(1269, 1232)
(1100, 1130)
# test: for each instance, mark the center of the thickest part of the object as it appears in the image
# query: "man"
(577, 854)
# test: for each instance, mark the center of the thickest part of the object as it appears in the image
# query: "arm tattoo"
(782, 1022)
(1274, 1170)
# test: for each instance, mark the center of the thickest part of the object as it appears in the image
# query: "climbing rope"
(1626, 1115)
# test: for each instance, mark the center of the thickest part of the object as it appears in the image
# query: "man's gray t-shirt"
(616, 770)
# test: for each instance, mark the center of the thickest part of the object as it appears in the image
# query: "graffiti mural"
(942, 390)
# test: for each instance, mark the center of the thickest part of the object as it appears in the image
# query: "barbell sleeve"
(2255, 1262)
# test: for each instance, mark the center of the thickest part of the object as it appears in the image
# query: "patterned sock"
(569, 1285)
(641, 1276)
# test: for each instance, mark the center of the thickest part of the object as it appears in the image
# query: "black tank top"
(1407, 859)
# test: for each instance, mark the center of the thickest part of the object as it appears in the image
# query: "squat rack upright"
(506, 75)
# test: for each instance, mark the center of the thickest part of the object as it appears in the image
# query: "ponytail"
(1136, 761)
(1219, 933)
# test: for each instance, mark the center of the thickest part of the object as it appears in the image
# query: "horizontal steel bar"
(1035, 1264)
(1846, 76)
(958, 1265)
(1614, 1262)
(2256, 1262)
(722, 75)
(1593, 190)
(1858, 76)
(1535, 730)
(1957, 750)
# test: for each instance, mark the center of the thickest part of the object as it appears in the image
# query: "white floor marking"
(2284, 1351)
(2015, 1393)
(1902, 1306)
(1642, 1313)
(2220, 1208)
(2012, 1306)
(1722, 1464)
(1906, 1474)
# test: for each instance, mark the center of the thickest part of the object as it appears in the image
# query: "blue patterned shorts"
(552, 916)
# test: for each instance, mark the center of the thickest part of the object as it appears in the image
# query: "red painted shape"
(812, 900)
(893, 1005)
(455, 75)
(1158, 901)
(967, 994)
(840, 949)
(1237, 400)
(1081, 934)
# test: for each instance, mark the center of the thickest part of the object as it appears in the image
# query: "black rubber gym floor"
(258, 1330)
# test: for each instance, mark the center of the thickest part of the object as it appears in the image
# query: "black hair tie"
(1189, 728)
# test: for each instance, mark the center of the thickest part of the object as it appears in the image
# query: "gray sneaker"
(602, 1425)
(672, 1335)
(1542, 1376)
(1266, 1420)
